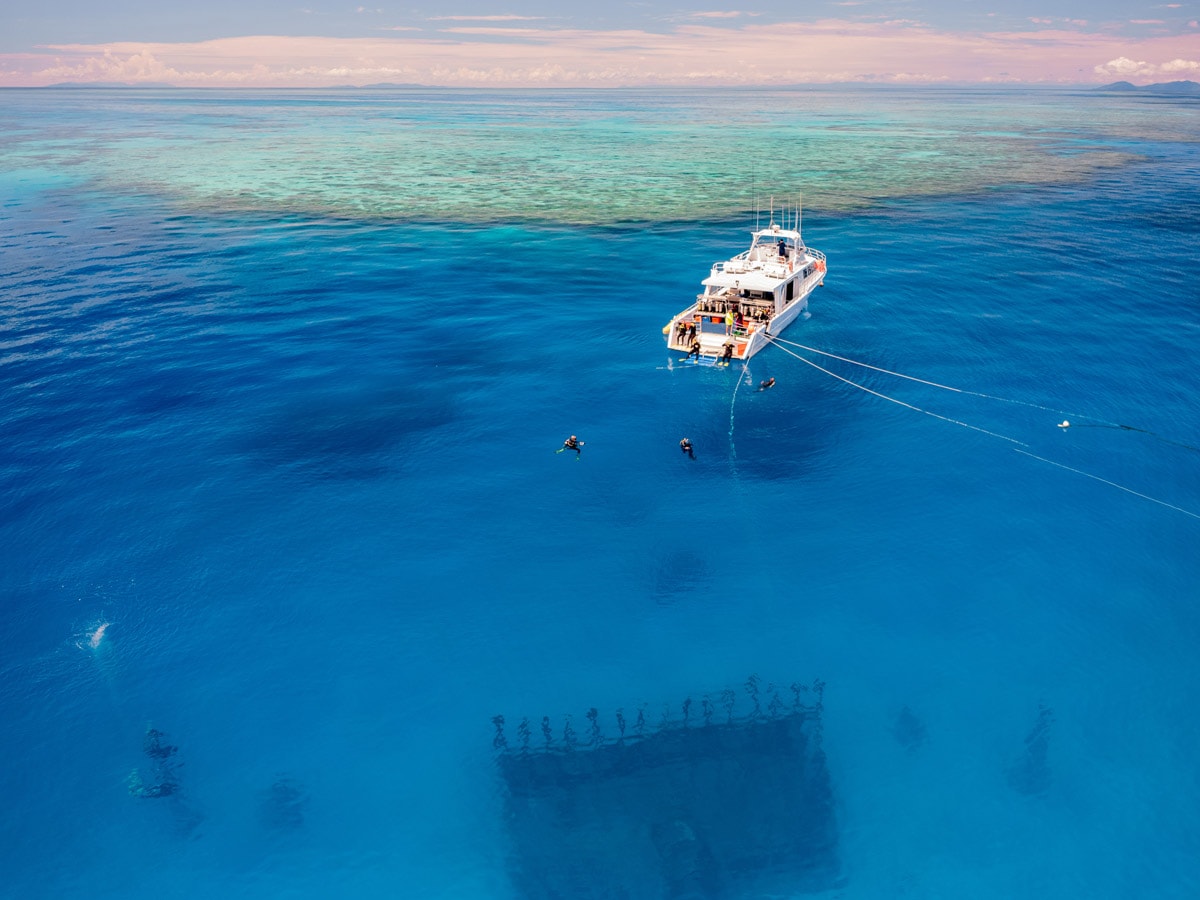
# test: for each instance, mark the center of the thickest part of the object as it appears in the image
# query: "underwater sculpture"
(166, 772)
(1030, 774)
(705, 804)
(162, 780)
(281, 806)
(909, 731)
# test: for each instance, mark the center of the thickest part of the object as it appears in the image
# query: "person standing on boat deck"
(686, 446)
(728, 320)
(695, 351)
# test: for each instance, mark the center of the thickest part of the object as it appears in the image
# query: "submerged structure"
(1030, 773)
(281, 807)
(162, 780)
(705, 803)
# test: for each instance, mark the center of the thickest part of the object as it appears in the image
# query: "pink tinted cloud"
(824, 51)
(505, 18)
(1126, 69)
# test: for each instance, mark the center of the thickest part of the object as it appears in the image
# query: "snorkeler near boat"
(571, 443)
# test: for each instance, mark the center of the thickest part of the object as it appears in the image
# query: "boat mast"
(754, 189)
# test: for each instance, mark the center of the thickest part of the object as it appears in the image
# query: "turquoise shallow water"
(281, 410)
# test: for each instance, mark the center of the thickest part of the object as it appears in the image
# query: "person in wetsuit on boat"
(695, 351)
(727, 353)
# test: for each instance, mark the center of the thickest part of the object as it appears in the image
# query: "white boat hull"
(750, 298)
(749, 339)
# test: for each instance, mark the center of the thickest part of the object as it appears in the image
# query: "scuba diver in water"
(769, 383)
(571, 443)
(686, 446)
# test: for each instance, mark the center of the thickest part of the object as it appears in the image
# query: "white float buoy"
(1064, 424)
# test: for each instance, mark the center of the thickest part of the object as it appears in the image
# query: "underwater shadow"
(347, 434)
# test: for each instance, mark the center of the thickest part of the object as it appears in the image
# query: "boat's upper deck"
(775, 255)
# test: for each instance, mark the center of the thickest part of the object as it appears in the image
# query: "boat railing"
(771, 263)
(748, 313)
(735, 265)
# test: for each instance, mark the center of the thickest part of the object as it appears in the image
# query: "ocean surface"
(282, 524)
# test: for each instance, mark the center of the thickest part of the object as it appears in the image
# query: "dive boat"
(749, 299)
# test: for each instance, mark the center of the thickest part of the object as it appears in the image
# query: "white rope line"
(1120, 487)
(732, 400)
(894, 400)
(1111, 483)
(946, 387)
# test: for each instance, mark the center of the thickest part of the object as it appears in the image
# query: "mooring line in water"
(894, 400)
(1119, 487)
(934, 384)
(732, 401)
(1141, 431)
(1097, 422)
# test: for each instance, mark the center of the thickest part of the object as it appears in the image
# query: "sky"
(589, 43)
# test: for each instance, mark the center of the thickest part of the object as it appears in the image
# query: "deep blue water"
(303, 467)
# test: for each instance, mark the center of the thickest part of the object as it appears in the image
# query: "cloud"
(505, 18)
(1176, 66)
(526, 53)
(1080, 23)
(1125, 68)
(1146, 22)
(730, 14)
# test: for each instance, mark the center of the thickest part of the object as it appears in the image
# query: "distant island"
(1165, 89)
